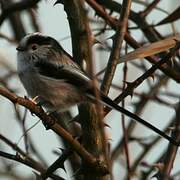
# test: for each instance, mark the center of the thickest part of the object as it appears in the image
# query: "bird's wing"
(69, 73)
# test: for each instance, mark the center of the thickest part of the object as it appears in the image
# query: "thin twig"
(51, 123)
(121, 29)
(125, 132)
(172, 150)
(17, 6)
(131, 86)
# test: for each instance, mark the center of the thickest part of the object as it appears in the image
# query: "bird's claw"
(34, 100)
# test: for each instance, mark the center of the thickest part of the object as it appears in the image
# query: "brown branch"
(80, 32)
(94, 163)
(149, 147)
(34, 21)
(14, 7)
(158, 160)
(117, 44)
(12, 145)
(149, 8)
(10, 40)
(125, 131)
(170, 18)
(59, 163)
(90, 116)
(139, 108)
(22, 157)
(172, 150)
(129, 39)
(29, 162)
(14, 175)
(131, 86)
(151, 34)
(29, 139)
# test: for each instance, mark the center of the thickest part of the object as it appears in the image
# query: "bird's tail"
(109, 103)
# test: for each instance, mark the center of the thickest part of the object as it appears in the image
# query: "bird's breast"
(52, 94)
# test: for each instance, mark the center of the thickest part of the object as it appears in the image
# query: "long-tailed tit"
(47, 71)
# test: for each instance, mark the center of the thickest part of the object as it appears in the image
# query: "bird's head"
(37, 44)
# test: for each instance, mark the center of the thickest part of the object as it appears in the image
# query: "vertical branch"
(34, 22)
(116, 48)
(90, 115)
(123, 124)
(80, 32)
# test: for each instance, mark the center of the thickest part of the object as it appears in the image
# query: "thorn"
(131, 138)
(78, 138)
(18, 155)
(62, 167)
(62, 149)
(174, 128)
(176, 105)
(152, 76)
(58, 2)
(47, 127)
(96, 14)
(107, 125)
(130, 86)
(25, 97)
(128, 83)
(56, 152)
(131, 94)
(34, 99)
(15, 106)
(32, 114)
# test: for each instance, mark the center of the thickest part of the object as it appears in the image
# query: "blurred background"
(52, 20)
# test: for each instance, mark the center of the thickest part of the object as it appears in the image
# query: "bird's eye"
(34, 47)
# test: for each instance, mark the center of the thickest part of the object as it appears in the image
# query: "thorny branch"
(91, 161)
(18, 6)
(83, 36)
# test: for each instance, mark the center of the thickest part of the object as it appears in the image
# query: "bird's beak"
(20, 48)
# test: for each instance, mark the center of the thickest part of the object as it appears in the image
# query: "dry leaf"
(151, 49)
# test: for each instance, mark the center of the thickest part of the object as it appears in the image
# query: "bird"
(49, 73)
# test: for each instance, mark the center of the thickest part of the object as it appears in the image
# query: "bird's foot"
(34, 100)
